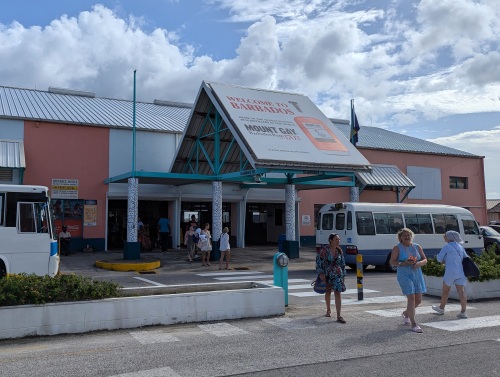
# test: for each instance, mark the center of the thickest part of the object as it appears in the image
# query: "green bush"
(26, 289)
(488, 263)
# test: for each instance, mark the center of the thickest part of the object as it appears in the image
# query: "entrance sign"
(286, 127)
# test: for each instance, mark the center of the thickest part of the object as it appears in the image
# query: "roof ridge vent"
(71, 92)
(160, 102)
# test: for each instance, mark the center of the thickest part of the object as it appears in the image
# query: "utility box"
(291, 249)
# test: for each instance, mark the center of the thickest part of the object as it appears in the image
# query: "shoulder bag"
(319, 286)
(471, 270)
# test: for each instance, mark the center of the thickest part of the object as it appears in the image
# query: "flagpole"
(352, 121)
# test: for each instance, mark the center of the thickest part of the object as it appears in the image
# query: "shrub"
(488, 263)
(26, 289)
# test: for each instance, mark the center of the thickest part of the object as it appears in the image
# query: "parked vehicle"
(496, 227)
(27, 236)
(490, 237)
(370, 229)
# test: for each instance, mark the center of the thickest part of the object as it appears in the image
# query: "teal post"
(280, 268)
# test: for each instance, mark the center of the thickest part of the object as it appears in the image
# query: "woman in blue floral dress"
(330, 265)
(409, 258)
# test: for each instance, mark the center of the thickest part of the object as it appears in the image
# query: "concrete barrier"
(145, 307)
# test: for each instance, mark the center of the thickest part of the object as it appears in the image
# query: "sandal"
(208, 264)
(341, 320)
(406, 320)
(417, 329)
(328, 314)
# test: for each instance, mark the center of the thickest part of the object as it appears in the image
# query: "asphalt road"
(303, 342)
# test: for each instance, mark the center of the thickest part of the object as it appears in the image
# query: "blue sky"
(429, 69)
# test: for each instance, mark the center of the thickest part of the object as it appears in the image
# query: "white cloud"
(402, 63)
(481, 143)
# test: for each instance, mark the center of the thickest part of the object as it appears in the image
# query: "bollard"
(359, 275)
(280, 269)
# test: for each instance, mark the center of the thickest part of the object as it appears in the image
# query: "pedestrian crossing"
(296, 287)
(302, 288)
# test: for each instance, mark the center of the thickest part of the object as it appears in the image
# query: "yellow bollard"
(359, 275)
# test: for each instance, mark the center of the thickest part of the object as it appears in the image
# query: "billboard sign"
(287, 127)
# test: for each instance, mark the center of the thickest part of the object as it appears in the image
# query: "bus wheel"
(388, 266)
(3, 270)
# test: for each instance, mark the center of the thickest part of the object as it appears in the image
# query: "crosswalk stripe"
(466, 324)
(229, 273)
(373, 300)
(152, 337)
(158, 372)
(420, 310)
(289, 324)
(271, 282)
(248, 277)
(311, 293)
(222, 329)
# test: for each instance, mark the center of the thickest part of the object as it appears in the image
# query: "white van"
(370, 229)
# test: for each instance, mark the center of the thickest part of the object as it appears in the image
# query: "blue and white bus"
(28, 242)
(370, 229)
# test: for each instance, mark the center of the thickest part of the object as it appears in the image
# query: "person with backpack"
(225, 248)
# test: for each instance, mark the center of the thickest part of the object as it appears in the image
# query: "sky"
(428, 69)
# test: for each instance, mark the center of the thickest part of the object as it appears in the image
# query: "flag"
(354, 125)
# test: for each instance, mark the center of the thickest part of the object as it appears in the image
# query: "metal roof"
(38, 105)
(384, 175)
(12, 154)
(492, 203)
(29, 104)
(379, 138)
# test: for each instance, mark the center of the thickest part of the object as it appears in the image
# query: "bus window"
(419, 223)
(2, 200)
(470, 227)
(388, 223)
(327, 221)
(364, 223)
(451, 223)
(340, 221)
(27, 218)
(439, 224)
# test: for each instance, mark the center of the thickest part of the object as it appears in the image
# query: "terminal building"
(263, 161)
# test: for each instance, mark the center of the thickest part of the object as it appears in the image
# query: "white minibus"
(370, 229)
(27, 239)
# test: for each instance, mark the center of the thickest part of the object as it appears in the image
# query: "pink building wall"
(70, 152)
(474, 198)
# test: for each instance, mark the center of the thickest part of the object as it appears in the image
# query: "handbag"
(319, 286)
(470, 268)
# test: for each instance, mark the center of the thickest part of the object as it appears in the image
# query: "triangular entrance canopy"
(266, 138)
(259, 138)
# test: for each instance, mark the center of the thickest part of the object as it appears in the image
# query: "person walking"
(164, 231)
(225, 248)
(189, 239)
(409, 258)
(330, 265)
(451, 255)
(206, 245)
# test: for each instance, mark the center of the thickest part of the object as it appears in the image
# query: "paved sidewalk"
(251, 258)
